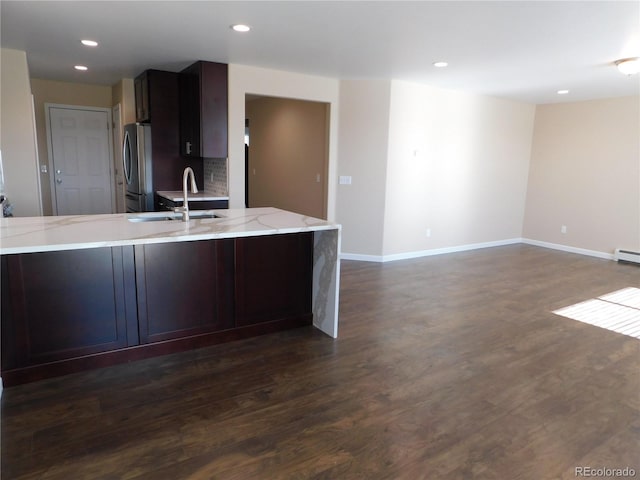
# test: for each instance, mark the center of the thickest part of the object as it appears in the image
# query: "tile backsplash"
(215, 176)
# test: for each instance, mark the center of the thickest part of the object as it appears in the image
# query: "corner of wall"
(18, 141)
(363, 146)
(584, 177)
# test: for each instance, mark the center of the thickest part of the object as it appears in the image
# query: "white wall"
(585, 174)
(362, 146)
(424, 158)
(245, 80)
(457, 165)
(18, 138)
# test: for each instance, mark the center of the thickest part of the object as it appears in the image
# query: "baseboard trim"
(475, 246)
(428, 253)
(361, 258)
(569, 249)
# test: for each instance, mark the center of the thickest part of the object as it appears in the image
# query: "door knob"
(58, 172)
(58, 180)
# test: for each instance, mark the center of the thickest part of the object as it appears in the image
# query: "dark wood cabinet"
(203, 110)
(141, 90)
(273, 277)
(157, 103)
(60, 305)
(74, 310)
(156, 97)
(184, 288)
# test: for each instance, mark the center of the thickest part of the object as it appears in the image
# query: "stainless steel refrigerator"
(136, 156)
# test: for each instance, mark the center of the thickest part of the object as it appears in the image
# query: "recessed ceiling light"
(563, 92)
(80, 67)
(440, 64)
(629, 66)
(89, 43)
(241, 28)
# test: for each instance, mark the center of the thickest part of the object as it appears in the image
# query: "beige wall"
(123, 93)
(288, 155)
(245, 80)
(585, 174)
(17, 144)
(363, 143)
(49, 91)
(457, 165)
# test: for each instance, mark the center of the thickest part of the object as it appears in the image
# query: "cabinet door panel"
(178, 285)
(273, 277)
(189, 81)
(204, 110)
(213, 127)
(62, 305)
(141, 90)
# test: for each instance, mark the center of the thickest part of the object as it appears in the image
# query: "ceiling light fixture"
(440, 64)
(89, 43)
(628, 66)
(80, 67)
(241, 27)
(563, 92)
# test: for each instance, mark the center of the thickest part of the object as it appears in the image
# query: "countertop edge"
(148, 241)
(61, 244)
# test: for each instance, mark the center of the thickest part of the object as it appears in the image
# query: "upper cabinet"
(141, 86)
(156, 94)
(203, 110)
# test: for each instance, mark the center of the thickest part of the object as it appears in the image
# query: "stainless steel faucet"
(184, 209)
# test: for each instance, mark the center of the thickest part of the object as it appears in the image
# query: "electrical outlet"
(563, 229)
(345, 180)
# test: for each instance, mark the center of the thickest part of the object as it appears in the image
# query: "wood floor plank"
(446, 367)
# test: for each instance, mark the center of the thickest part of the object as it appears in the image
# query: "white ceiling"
(520, 50)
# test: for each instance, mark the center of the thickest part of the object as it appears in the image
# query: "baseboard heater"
(627, 256)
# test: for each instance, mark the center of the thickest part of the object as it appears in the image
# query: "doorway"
(286, 154)
(80, 156)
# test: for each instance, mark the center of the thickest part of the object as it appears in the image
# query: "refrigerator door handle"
(126, 157)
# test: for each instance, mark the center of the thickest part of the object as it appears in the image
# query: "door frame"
(248, 173)
(117, 125)
(47, 114)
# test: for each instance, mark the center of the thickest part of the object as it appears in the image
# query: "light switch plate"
(345, 180)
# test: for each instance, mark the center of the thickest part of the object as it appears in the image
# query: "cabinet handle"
(188, 148)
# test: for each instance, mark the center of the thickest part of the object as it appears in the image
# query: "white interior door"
(81, 160)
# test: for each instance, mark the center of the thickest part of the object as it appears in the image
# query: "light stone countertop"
(45, 234)
(178, 196)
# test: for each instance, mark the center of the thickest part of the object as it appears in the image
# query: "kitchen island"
(80, 292)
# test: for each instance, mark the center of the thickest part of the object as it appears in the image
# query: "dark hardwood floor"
(447, 367)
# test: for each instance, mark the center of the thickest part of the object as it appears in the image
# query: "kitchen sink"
(168, 216)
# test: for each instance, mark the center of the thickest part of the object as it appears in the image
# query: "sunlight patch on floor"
(618, 311)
